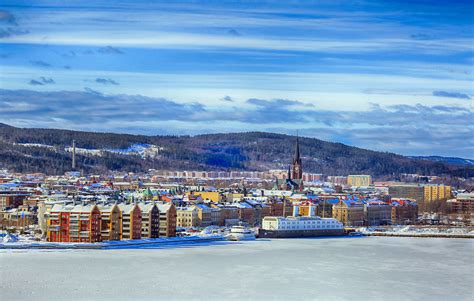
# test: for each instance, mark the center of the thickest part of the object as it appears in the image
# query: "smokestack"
(73, 154)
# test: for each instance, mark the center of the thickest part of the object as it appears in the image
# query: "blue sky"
(385, 75)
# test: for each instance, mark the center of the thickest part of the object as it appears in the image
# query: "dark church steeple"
(297, 167)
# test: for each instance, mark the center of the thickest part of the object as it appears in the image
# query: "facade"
(131, 221)
(208, 195)
(436, 193)
(404, 211)
(58, 223)
(18, 218)
(84, 224)
(150, 220)
(187, 217)
(307, 226)
(377, 213)
(421, 193)
(349, 212)
(217, 218)
(74, 223)
(111, 222)
(12, 200)
(229, 215)
(462, 208)
(246, 213)
(204, 215)
(167, 219)
(359, 180)
(416, 192)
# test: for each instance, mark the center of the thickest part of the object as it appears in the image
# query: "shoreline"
(110, 244)
(422, 235)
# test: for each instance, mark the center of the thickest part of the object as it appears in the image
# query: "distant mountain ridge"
(447, 160)
(48, 151)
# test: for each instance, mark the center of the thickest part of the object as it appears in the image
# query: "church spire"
(297, 164)
(297, 149)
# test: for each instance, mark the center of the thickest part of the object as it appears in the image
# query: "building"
(462, 208)
(407, 191)
(111, 222)
(17, 218)
(131, 221)
(297, 172)
(359, 180)
(246, 213)
(150, 220)
(187, 217)
(436, 193)
(229, 215)
(349, 212)
(12, 199)
(217, 218)
(404, 211)
(377, 213)
(204, 215)
(421, 193)
(294, 178)
(84, 224)
(207, 195)
(167, 219)
(58, 223)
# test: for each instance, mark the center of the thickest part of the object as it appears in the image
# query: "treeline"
(235, 151)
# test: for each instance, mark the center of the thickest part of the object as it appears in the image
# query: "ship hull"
(262, 233)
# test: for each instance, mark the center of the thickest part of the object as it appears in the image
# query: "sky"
(393, 76)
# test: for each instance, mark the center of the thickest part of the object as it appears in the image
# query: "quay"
(113, 244)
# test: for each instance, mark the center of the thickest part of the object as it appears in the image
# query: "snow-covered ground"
(366, 268)
(420, 231)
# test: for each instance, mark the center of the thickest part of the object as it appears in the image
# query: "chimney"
(73, 154)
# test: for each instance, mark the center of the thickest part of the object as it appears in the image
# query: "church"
(294, 179)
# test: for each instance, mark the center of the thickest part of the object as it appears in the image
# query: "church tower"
(297, 167)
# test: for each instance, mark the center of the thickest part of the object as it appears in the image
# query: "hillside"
(47, 150)
(447, 160)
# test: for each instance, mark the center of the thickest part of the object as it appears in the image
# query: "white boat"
(240, 233)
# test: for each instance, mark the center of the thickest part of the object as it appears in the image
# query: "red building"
(68, 223)
(58, 223)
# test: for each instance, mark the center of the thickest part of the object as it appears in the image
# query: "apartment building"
(359, 180)
(404, 211)
(187, 217)
(167, 219)
(131, 221)
(349, 212)
(111, 222)
(150, 220)
(377, 213)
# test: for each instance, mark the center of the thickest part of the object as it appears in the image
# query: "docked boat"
(304, 226)
(238, 233)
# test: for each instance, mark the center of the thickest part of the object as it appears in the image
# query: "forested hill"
(46, 150)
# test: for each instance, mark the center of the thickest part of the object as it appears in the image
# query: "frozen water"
(367, 268)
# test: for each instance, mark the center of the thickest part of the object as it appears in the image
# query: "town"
(162, 204)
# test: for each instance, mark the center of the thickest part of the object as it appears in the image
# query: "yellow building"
(359, 180)
(187, 217)
(234, 197)
(436, 193)
(207, 195)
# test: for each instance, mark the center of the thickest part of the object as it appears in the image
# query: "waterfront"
(367, 268)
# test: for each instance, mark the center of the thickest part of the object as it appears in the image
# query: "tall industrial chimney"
(73, 154)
